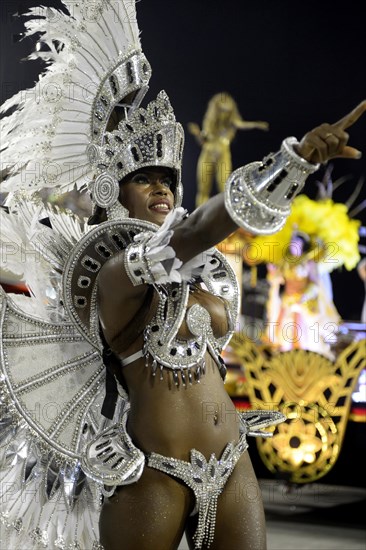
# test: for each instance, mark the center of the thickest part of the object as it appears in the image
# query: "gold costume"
(220, 124)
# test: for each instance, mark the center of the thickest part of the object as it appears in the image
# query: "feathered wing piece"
(51, 390)
(93, 62)
(35, 242)
(52, 380)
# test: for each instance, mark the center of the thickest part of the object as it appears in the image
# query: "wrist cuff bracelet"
(258, 196)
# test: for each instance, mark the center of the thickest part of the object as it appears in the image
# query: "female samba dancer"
(149, 279)
(172, 419)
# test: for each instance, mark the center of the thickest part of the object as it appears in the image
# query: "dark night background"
(293, 64)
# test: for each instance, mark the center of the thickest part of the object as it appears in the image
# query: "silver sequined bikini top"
(162, 347)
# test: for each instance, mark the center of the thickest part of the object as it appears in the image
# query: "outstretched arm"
(211, 223)
(196, 131)
(241, 124)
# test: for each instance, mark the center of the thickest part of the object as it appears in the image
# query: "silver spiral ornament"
(105, 190)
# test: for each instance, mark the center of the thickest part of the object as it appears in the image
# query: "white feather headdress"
(93, 62)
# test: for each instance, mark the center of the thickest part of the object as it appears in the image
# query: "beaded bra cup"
(162, 348)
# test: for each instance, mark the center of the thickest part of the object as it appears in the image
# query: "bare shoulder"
(118, 299)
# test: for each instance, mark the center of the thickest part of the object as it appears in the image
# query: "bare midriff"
(172, 420)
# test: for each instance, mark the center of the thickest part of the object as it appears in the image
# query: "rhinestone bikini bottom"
(206, 478)
(112, 459)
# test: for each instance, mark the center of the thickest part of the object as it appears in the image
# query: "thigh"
(240, 521)
(147, 515)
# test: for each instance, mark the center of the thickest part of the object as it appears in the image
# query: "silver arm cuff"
(258, 196)
(136, 264)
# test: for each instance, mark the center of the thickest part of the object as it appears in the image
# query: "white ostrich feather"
(37, 253)
(44, 141)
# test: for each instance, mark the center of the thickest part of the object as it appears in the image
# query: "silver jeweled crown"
(129, 77)
(148, 137)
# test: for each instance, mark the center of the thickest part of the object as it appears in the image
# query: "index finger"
(352, 117)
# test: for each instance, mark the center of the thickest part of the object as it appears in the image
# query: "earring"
(117, 211)
(105, 193)
(105, 190)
